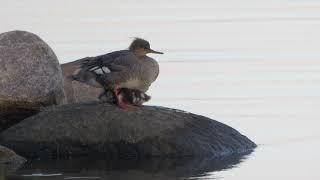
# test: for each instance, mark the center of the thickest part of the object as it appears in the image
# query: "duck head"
(141, 47)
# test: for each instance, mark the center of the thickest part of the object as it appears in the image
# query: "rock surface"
(30, 76)
(76, 91)
(105, 131)
(7, 156)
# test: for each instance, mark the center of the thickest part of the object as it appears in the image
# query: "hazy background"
(254, 65)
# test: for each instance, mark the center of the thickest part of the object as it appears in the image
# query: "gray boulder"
(30, 76)
(106, 131)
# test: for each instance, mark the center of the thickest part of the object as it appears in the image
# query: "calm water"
(254, 65)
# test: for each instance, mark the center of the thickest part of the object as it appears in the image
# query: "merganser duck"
(130, 69)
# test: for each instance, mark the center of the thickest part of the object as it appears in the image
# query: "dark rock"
(9, 162)
(7, 156)
(30, 76)
(106, 131)
(76, 91)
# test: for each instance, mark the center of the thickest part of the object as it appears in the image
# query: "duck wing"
(121, 70)
(131, 72)
(103, 60)
(92, 68)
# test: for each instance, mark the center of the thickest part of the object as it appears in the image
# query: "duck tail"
(85, 76)
(71, 78)
(77, 75)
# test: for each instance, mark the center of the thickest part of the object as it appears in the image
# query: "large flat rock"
(106, 131)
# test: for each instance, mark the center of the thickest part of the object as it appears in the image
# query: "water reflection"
(148, 169)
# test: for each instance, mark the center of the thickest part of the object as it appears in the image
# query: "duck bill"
(153, 51)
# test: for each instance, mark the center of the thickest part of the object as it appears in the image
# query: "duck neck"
(139, 52)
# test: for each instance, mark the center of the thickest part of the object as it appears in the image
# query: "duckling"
(129, 96)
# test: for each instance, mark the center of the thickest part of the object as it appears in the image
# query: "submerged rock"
(105, 131)
(30, 76)
(149, 169)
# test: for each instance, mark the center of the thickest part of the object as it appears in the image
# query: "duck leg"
(107, 96)
(120, 102)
